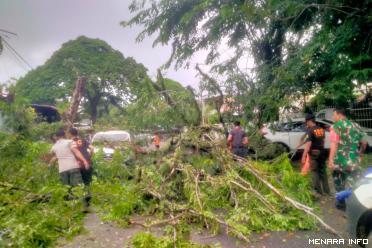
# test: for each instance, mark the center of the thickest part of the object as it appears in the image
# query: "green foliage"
(155, 112)
(44, 130)
(115, 200)
(263, 148)
(33, 211)
(207, 185)
(18, 117)
(145, 240)
(299, 47)
(112, 78)
(21, 119)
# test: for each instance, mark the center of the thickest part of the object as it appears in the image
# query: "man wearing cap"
(314, 147)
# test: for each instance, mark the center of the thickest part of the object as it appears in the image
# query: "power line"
(7, 44)
(7, 32)
(16, 58)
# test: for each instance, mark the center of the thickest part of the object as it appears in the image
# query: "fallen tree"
(202, 184)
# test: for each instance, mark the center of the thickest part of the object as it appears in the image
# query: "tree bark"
(94, 108)
(71, 113)
(196, 105)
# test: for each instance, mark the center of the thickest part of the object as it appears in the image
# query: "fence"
(360, 112)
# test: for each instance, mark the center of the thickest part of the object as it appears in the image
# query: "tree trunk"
(70, 115)
(94, 109)
(196, 105)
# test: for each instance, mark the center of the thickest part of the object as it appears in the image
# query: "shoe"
(341, 205)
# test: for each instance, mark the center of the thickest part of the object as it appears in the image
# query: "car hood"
(105, 150)
(363, 192)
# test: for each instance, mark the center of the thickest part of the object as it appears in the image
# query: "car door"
(278, 133)
(296, 133)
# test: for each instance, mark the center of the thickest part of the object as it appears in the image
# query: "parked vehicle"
(359, 209)
(289, 133)
(46, 113)
(108, 141)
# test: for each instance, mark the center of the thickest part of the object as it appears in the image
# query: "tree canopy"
(298, 46)
(164, 104)
(112, 78)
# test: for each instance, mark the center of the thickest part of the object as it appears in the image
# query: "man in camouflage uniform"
(345, 153)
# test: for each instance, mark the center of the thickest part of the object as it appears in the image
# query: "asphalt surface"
(101, 234)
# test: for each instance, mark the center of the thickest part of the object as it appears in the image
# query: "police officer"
(314, 147)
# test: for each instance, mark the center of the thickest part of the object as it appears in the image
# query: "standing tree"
(111, 78)
(296, 45)
(163, 104)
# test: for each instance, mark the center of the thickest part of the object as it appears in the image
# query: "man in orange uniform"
(156, 140)
(314, 147)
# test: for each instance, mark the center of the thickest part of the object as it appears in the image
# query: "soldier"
(314, 147)
(347, 146)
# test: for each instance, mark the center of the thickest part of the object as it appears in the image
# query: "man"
(237, 140)
(86, 151)
(67, 155)
(314, 148)
(347, 146)
(156, 140)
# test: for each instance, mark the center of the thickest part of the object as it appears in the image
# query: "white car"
(289, 134)
(112, 138)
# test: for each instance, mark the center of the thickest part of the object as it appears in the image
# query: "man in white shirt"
(67, 155)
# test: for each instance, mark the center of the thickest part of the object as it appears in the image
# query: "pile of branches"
(215, 190)
(33, 210)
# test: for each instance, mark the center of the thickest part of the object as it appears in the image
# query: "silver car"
(108, 141)
(359, 209)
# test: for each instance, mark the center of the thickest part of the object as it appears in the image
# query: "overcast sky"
(42, 26)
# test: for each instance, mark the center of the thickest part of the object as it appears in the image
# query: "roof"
(112, 136)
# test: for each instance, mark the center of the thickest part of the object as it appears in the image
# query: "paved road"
(106, 235)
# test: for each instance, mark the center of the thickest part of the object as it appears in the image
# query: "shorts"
(240, 151)
(71, 177)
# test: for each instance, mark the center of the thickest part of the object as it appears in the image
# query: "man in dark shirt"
(314, 147)
(86, 150)
(238, 140)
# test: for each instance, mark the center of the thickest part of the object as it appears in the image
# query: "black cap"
(309, 117)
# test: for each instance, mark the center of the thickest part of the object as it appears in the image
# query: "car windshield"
(296, 126)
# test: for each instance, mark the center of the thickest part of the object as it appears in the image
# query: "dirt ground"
(101, 234)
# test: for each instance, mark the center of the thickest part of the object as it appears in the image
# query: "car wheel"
(368, 149)
(283, 147)
(369, 245)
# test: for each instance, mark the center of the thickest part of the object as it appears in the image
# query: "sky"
(42, 26)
